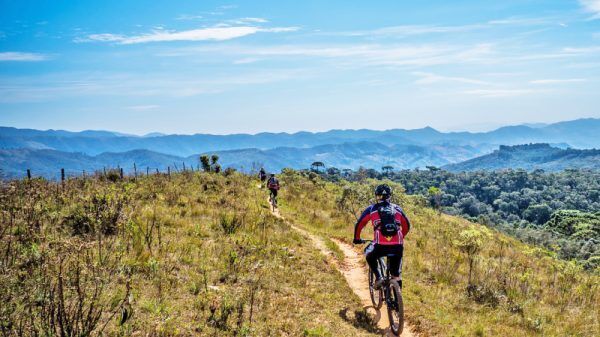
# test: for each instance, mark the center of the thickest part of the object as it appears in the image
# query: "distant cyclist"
(273, 186)
(390, 227)
(262, 175)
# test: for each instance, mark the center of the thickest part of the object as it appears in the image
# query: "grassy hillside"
(515, 289)
(200, 254)
(191, 254)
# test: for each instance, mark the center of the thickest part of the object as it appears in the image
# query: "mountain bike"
(273, 200)
(390, 293)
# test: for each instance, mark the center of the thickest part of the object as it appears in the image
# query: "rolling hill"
(531, 157)
(47, 163)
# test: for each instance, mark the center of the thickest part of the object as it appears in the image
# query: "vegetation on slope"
(531, 157)
(513, 289)
(520, 203)
(190, 254)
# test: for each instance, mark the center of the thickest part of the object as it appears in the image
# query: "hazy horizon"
(293, 132)
(224, 67)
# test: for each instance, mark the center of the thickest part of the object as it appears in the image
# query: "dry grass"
(190, 254)
(200, 254)
(516, 289)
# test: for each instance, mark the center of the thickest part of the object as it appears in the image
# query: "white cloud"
(429, 78)
(23, 57)
(558, 81)
(353, 55)
(143, 107)
(188, 17)
(101, 38)
(520, 21)
(243, 21)
(494, 93)
(63, 86)
(408, 30)
(202, 34)
(247, 60)
(591, 6)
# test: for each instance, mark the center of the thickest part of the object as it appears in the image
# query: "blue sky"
(251, 66)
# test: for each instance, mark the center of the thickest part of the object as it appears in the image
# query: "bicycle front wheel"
(396, 308)
(376, 295)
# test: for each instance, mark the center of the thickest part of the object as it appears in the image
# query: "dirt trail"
(355, 273)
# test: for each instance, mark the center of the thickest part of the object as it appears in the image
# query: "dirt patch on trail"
(354, 271)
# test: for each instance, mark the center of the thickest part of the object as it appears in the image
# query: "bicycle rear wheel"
(396, 308)
(376, 295)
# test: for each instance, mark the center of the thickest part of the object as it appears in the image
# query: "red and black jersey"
(371, 214)
(273, 183)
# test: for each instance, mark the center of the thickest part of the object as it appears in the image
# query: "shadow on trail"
(366, 318)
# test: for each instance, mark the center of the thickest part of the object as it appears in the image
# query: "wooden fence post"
(121, 173)
(156, 171)
(147, 171)
(28, 174)
(169, 171)
(62, 175)
(134, 171)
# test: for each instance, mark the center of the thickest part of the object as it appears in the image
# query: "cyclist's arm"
(362, 222)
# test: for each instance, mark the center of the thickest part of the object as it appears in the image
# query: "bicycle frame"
(384, 266)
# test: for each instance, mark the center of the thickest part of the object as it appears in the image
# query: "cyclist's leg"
(395, 262)
(274, 191)
(372, 255)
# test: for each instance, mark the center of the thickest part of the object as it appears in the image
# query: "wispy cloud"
(429, 78)
(247, 60)
(353, 55)
(64, 86)
(143, 107)
(189, 17)
(558, 81)
(495, 93)
(410, 30)
(523, 21)
(22, 57)
(242, 21)
(406, 30)
(202, 34)
(591, 6)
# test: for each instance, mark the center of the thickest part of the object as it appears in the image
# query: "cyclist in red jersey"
(390, 227)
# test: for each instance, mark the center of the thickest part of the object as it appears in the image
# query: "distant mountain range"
(45, 152)
(531, 157)
(582, 133)
(15, 162)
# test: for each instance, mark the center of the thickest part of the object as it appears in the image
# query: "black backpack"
(388, 225)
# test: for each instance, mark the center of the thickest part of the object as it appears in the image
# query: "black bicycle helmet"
(383, 190)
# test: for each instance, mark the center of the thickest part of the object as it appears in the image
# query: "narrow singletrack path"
(354, 271)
